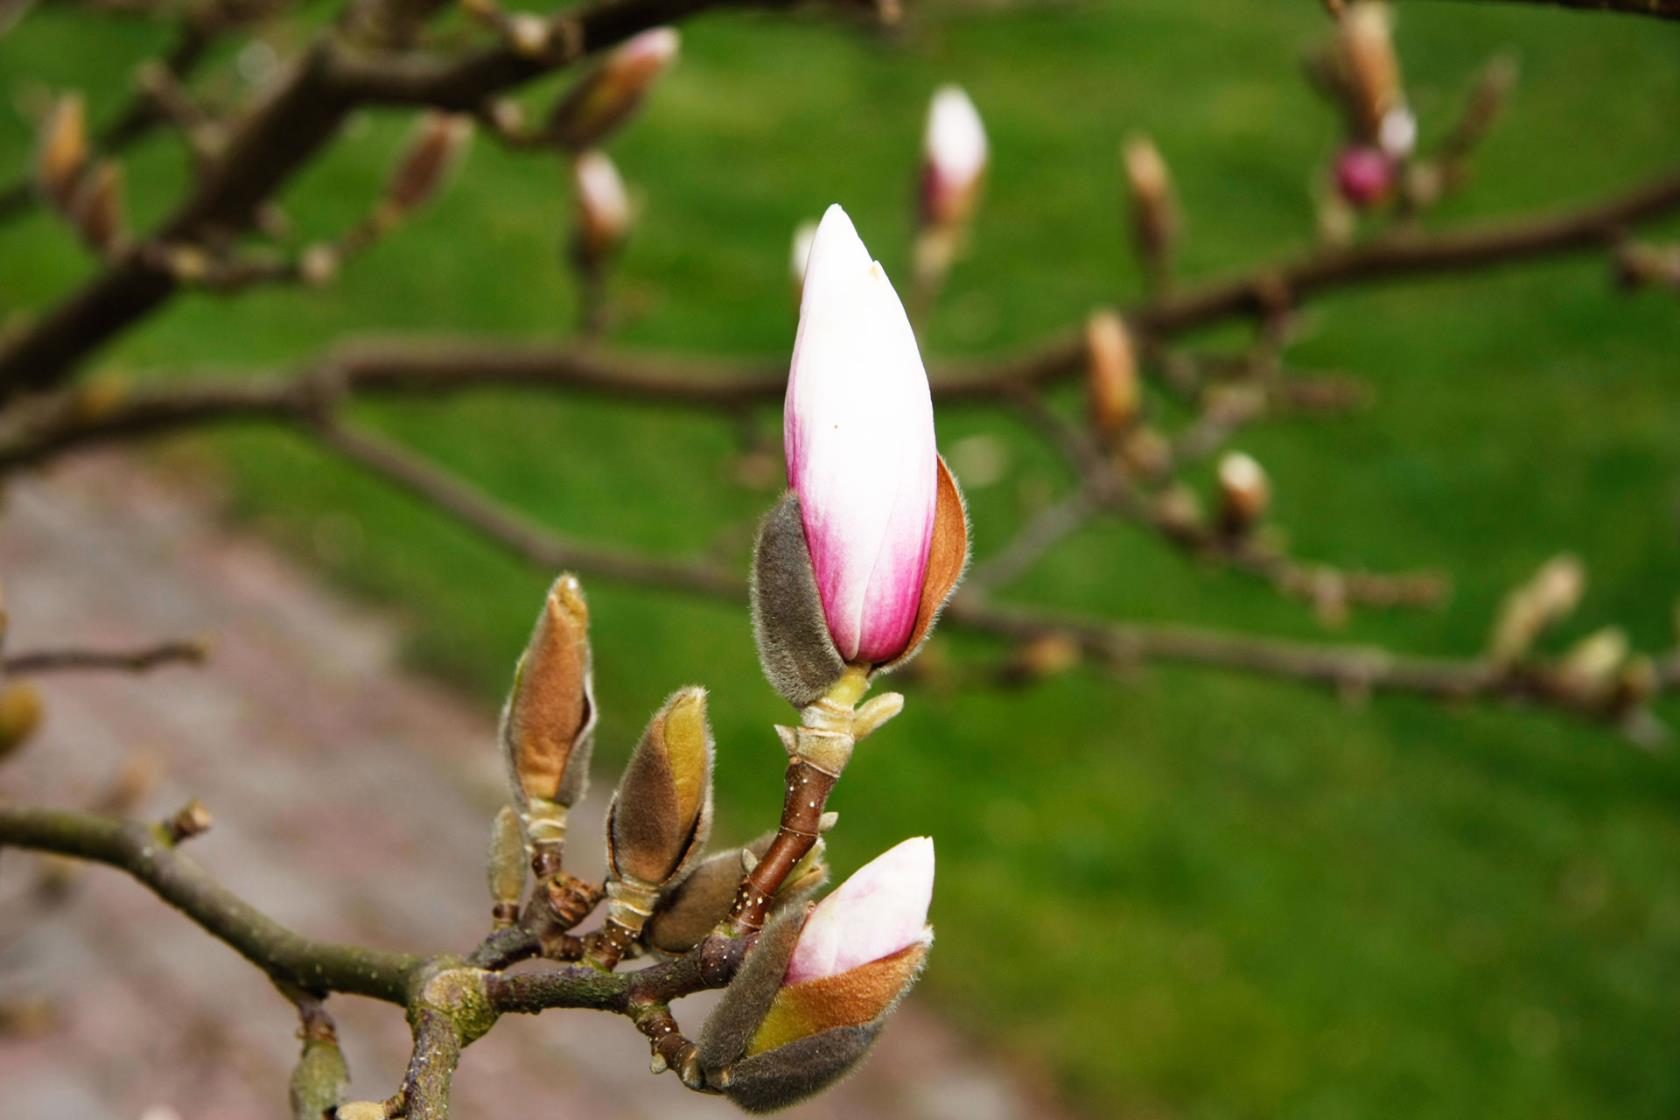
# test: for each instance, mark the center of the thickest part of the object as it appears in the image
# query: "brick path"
(148, 1016)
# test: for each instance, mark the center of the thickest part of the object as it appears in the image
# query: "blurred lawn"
(1186, 893)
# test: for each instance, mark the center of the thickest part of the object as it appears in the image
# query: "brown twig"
(329, 80)
(131, 661)
(74, 418)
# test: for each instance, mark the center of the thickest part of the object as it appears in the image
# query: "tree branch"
(1661, 9)
(146, 853)
(132, 661)
(281, 135)
(73, 418)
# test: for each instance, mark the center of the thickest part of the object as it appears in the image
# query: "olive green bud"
(661, 815)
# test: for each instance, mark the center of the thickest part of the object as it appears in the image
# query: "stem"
(146, 853)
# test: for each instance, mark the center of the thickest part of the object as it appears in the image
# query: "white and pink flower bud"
(603, 205)
(881, 910)
(954, 154)
(858, 434)
(817, 987)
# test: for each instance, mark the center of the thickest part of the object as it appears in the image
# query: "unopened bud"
(1370, 70)
(1364, 176)
(97, 207)
(1045, 656)
(1111, 377)
(505, 867)
(603, 206)
(548, 725)
(1244, 493)
(605, 99)
(529, 34)
(1591, 667)
(1179, 512)
(803, 238)
(318, 264)
(954, 152)
(434, 151)
(1155, 221)
(361, 1110)
(662, 810)
(20, 715)
(62, 150)
(1551, 594)
(1397, 133)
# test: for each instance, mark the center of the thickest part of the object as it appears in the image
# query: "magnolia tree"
(853, 565)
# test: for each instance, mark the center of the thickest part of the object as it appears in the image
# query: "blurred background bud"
(1364, 176)
(1368, 67)
(1155, 220)
(1244, 493)
(803, 238)
(954, 152)
(603, 207)
(607, 98)
(20, 715)
(96, 210)
(434, 151)
(61, 150)
(1551, 594)
(1111, 378)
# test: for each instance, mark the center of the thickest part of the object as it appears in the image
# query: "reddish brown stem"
(802, 808)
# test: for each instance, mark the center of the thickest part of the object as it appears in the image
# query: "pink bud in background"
(953, 158)
(602, 204)
(1364, 176)
(858, 434)
(881, 910)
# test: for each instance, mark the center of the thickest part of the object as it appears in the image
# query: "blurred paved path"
(301, 746)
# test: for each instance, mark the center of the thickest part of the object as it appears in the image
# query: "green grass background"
(1182, 893)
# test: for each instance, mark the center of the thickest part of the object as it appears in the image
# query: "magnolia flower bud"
(1397, 133)
(20, 715)
(1155, 221)
(1364, 176)
(548, 725)
(953, 159)
(610, 95)
(1111, 379)
(1370, 70)
(661, 814)
(1591, 668)
(603, 207)
(1244, 493)
(812, 998)
(1550, 595)
(96, 209)
(434, 151)
(854, 565)
(803, 238)
(62, 150)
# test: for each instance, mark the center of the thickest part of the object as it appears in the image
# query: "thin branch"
(1660, 9)
(329, 80)
(63, 421)
(442, 490)
(131, 661)
(144, 851)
